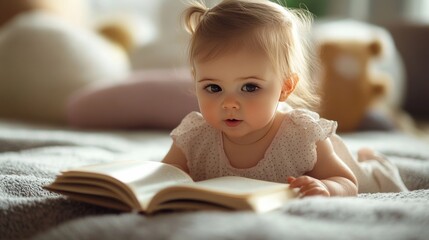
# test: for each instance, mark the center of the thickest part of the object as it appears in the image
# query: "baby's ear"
(288, 86)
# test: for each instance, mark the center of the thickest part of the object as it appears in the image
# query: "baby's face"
(238, 92)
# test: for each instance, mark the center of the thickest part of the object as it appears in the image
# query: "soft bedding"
(31, 156)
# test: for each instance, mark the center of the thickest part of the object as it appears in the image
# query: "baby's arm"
(329, 177)
(176, 158)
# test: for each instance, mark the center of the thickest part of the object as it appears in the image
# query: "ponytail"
(193, 16)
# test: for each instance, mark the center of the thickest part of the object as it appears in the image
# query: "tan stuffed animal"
(362, 77)
(348, 87)
(48, 50)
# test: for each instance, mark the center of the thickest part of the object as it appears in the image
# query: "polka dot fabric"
(291, 153)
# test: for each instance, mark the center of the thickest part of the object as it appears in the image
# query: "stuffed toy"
(348, 89)
(48, 50)
(356, 89)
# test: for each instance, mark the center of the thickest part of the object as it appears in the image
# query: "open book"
(149, 186)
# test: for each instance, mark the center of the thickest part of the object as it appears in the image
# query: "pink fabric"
(147, 99)
(291, 153)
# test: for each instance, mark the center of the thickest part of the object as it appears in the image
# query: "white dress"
(291, 153)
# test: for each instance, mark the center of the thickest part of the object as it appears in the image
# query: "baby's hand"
(308, 186)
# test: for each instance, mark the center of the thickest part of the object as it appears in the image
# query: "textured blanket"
(31, 156)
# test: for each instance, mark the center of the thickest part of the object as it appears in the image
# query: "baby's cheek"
(210, 115)
(260, 117)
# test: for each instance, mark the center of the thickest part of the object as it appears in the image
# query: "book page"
(229, 192)
(143, 178)
(233, 185)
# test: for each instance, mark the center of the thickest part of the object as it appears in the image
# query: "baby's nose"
(230, 102)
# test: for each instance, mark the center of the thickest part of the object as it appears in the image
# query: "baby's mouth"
(232, 122)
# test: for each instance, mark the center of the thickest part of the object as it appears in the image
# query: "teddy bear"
(348, 89)
(48, 50)
(359, 87)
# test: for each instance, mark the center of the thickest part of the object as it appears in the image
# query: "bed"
(31, 155)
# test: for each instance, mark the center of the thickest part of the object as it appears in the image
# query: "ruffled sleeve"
(316, 127)
(187, 131)
(200, 144)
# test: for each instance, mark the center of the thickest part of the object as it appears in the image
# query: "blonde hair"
(278, 31)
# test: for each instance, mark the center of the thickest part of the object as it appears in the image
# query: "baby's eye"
(249, 87)
(213, 88)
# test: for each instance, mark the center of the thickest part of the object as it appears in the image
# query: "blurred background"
(367, 10)
(149, 35)
(163, 42)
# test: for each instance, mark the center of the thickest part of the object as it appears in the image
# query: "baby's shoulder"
(311, 122)
(303, 116)
(193, 123)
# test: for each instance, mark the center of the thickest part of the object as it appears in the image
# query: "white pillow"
(44, 59)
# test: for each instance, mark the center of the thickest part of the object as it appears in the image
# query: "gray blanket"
(31, 156)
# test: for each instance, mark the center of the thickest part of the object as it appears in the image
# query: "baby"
(247, 59)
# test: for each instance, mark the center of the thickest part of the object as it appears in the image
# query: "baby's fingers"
(317, 191)
(299, 182)
(308, 187)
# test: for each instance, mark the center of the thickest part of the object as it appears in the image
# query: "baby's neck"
(248, 155)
